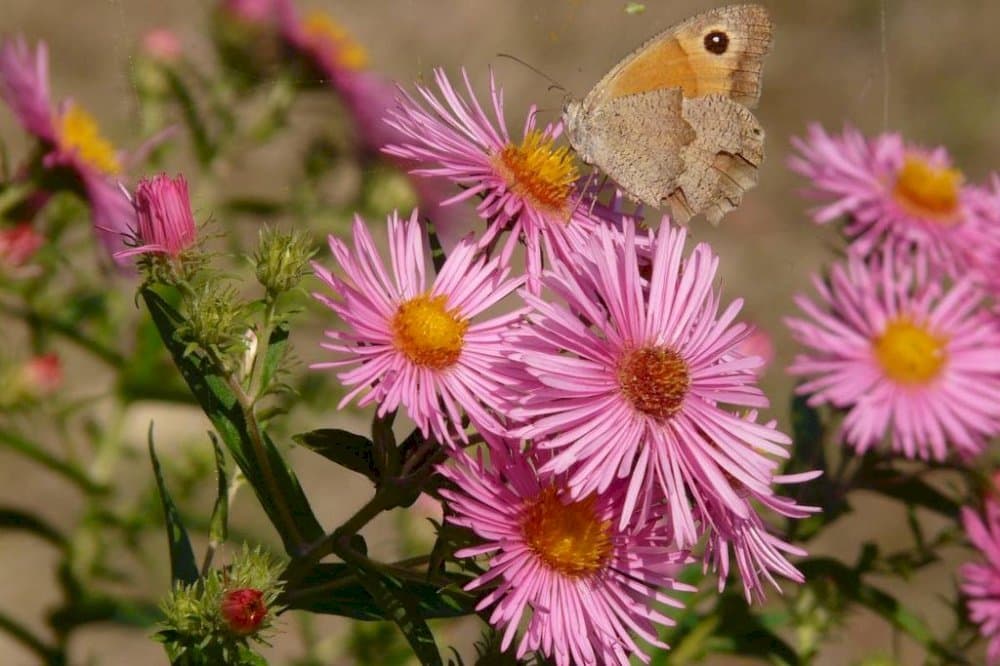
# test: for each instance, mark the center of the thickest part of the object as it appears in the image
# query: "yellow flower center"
(427, 333)
(78, 133)
(568, 538)
(909, 354)
(655, 380)
(539, 171)
(322, 29)
(927, 190)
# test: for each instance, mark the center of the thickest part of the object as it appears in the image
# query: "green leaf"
(219, 524)
(347, 449)
(223, 409)
(182, 564)
(277, 346)
(334, 589)
(398, 605)
(450, 538)
(387, 458)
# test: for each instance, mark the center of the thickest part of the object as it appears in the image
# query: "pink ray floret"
(368, 298)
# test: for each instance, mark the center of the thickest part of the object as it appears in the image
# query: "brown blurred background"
(939, 73)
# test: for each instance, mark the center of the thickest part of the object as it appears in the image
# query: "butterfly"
(672, 122)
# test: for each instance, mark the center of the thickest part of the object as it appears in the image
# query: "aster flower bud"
(165, 224)
(161, 44)
(18, 244)
(282, 259)
(220, 616)
(244, 610)
(25, 383)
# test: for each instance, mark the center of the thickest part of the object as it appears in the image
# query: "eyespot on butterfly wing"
(698, 155)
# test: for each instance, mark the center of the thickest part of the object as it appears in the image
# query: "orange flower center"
(428, 333)
(539, 172)
(927, 190)
(568, 538)
(908, 353)
(78, 133)
(655, 380)
(324, 31)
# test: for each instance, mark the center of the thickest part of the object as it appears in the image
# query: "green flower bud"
(282, 259)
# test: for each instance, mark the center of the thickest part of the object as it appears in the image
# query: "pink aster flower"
(529, 188)
(415, 346)
(893, 193)
(582, 586)
(628, 379)
(341, 63)
(747, 540)
(70, 136)
(906, 358)
(981, 582)
(165, 224)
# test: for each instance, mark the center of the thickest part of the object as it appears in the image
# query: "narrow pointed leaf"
(219, 526)
(182, 565)
(222, 408)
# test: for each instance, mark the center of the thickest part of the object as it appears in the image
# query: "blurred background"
(924, 68)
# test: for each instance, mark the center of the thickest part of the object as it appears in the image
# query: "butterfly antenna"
(555, 84)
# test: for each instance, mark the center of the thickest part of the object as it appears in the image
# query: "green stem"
(48, 655)
(35, 452)
(67, 330)
(336, 541)
(264, 462)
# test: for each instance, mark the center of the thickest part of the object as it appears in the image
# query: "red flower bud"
(244, 610)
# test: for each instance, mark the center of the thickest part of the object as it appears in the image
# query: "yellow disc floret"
(568, 538)
(928, 190)
(427, 333)
(78, 133)
(654, 380)
(908, 353)
(539, 172)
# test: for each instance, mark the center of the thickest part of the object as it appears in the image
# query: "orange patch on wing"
(668, 65)
(661, 65)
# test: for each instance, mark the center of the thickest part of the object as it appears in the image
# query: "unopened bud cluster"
(216, 617)
(215, 319)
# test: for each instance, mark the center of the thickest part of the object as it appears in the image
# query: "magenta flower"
(70, 136)
(628, 378)
(165, 224)
(341, 62)
(529, 188)
(904, 357)
(981, 582)
(413, 346)
(894, 193)
(582, 585)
